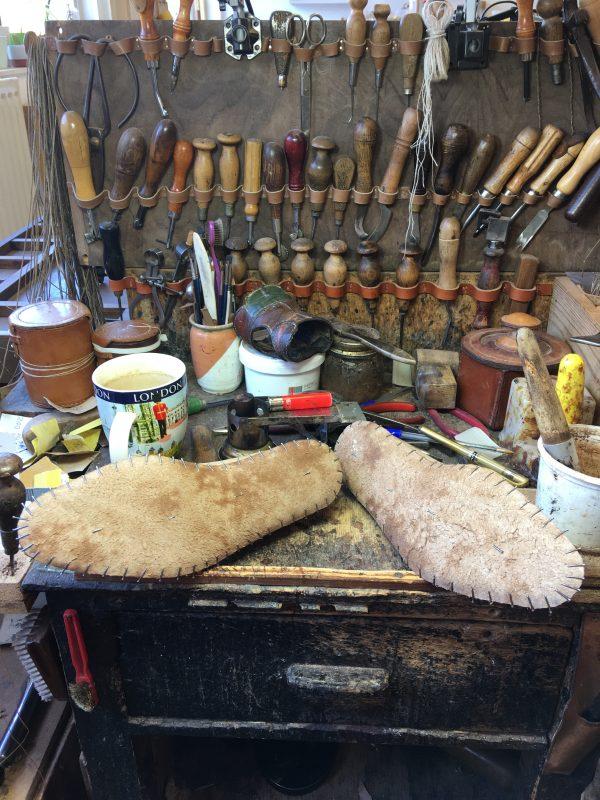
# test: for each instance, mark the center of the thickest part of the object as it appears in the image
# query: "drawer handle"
(344, 680)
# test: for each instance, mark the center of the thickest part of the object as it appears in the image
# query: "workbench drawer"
(363, 670)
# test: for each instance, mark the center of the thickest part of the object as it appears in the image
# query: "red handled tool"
(79, 659)
(470, 420)
(394, 406)
(301, 401)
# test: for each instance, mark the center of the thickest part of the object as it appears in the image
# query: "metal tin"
(352, 371)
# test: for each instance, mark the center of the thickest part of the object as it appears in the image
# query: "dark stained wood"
(478, 162)
(160, 153)
(319, 171)
(365, 136)
(454, 144)
(129, 157)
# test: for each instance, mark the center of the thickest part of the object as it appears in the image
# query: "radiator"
(15, 160)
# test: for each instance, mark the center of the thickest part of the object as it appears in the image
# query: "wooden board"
(12, 599)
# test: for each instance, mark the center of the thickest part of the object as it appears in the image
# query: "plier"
(394, 406)
(451, 433)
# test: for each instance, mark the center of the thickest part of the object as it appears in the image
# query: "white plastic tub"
(572, 499)
(271, 377)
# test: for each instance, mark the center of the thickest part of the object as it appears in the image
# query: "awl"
(295, 146)
(182, 27)
(365, 136)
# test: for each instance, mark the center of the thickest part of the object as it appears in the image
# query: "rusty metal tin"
(352, 371)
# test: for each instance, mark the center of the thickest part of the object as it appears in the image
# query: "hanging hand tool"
(278, 28)
(411, 30)
(449, 243)
(160, 153)
(356, 35)
(182, 27)
(525, 31)
(295, 145)
(229, 172)
(576, 19)
(585, 198)
(407, 275)
(97, 134)
(479, 161)
(148, 33)
(129, 157)
(380, 35)
(319, 173)
(455, 142)
(112, 259)
(12, 500)
(84, 686)
(489, 277)
(587, 158)
(522, 145)
(183, 155)
(76, 144)
(183, 253)
(154, 261)
(204, 176)
(550, 418)
(407, 133)
(343, 175)
(524, 278)
(274, 171)
(552, 31)
(418, 196)
(305, 39)
(365, 136)
(252, 182)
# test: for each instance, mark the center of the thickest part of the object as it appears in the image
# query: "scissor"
(97, 134)
(305, 40)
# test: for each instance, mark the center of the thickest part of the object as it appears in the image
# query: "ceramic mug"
(148, 421)
(215, 353)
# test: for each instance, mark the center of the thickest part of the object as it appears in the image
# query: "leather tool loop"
(204, 195)
(354, 50)
(67, 47)
(386, 198)
(123, 202)
(93, 202)
(152, 47)
(318, 195)
(123, 47)
(276, 198)
(340, 195)
(362, 198)
(379, 49)
(96, 49)
(252, 198)
(413, 47)
(439, 199)
(552, 47)
(297, 195)
(230, 195)
(150, 202)
(280, 46)
(206, 47)
(177, 47)
(179, 197)
(462, 198)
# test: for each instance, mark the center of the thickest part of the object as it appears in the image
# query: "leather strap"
(362, 198)
(386, 198)
(552, 47)
(340, 195)
(379, 49)
(123, 47)
(204, 195)
(412, 47)
(276, 198)
(252, 198)
(96, 49)
(152, 47)
(177, 47)
(206, 47)
(280, 46)
(439, 199)
(318, 195)
(354, 50)
(179, 197)
(297, 195)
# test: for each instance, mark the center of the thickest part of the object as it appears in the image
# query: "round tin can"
(352, 371)
(125, 337)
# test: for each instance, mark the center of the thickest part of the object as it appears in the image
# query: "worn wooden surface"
(217, 94)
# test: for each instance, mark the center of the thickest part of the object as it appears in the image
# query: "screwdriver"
(274, 171)
(183, 155)
(319, 174)
(204, 177)
(252, 185)
(526, 30)
(343, 175)
(182, 27)
(129, 157)
(356, 35)
(229, 174)
(76, 144)
(113, 261)
(160, 153)
(294, 146)
(288, 402)
(380, 35)
(148, 33)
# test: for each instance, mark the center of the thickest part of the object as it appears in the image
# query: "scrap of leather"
(460, 527)
(157, 518)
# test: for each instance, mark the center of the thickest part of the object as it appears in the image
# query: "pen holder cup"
(215, 355)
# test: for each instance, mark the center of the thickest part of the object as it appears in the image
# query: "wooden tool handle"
(295, 146)
(587, 158)
(449, 242)
(551, 136)
(182, 25)
(409, 268)
(148, 31)
(129, 157)
(407, 133)
(525, 25)
(552, 30)
(356, 25)
(160, 153)
(381, 33)
(76, 144)
(525, 278)
(343, 172)
(320, 168)
(550, 418)
(204, 169)
(550, 8)
(274, 167)
(562, 158)
(229, 162)
(411, 30)
(478, 163)
(585, 198)
(365, 135)
(523, 144)
(421, 156)
(489, 278)
(183, 155)
(455, 142)
(252, 173)
(592, 7)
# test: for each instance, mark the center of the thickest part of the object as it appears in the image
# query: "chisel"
(454, 144)
(160, 152)
(252, 183)
(182, 27)
(343, 175)
(448, 244)
(412, 29)
(526, 30)
(585, 198)
(522, 145)
(148, 33)
(295, 146)
(407, 133)
(365, 136)
(356, 35)
(479, 160)
(319, 174)
(204, 176)
(129, 157)
(76, 144)
(587, 158)
(274, 172)
(229, 173)
(183, 155)
(380, 34)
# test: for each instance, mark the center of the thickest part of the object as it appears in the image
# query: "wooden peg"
(302, 267)
(335, 270)
(269, 265)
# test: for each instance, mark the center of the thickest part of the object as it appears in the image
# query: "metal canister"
(352, 370)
